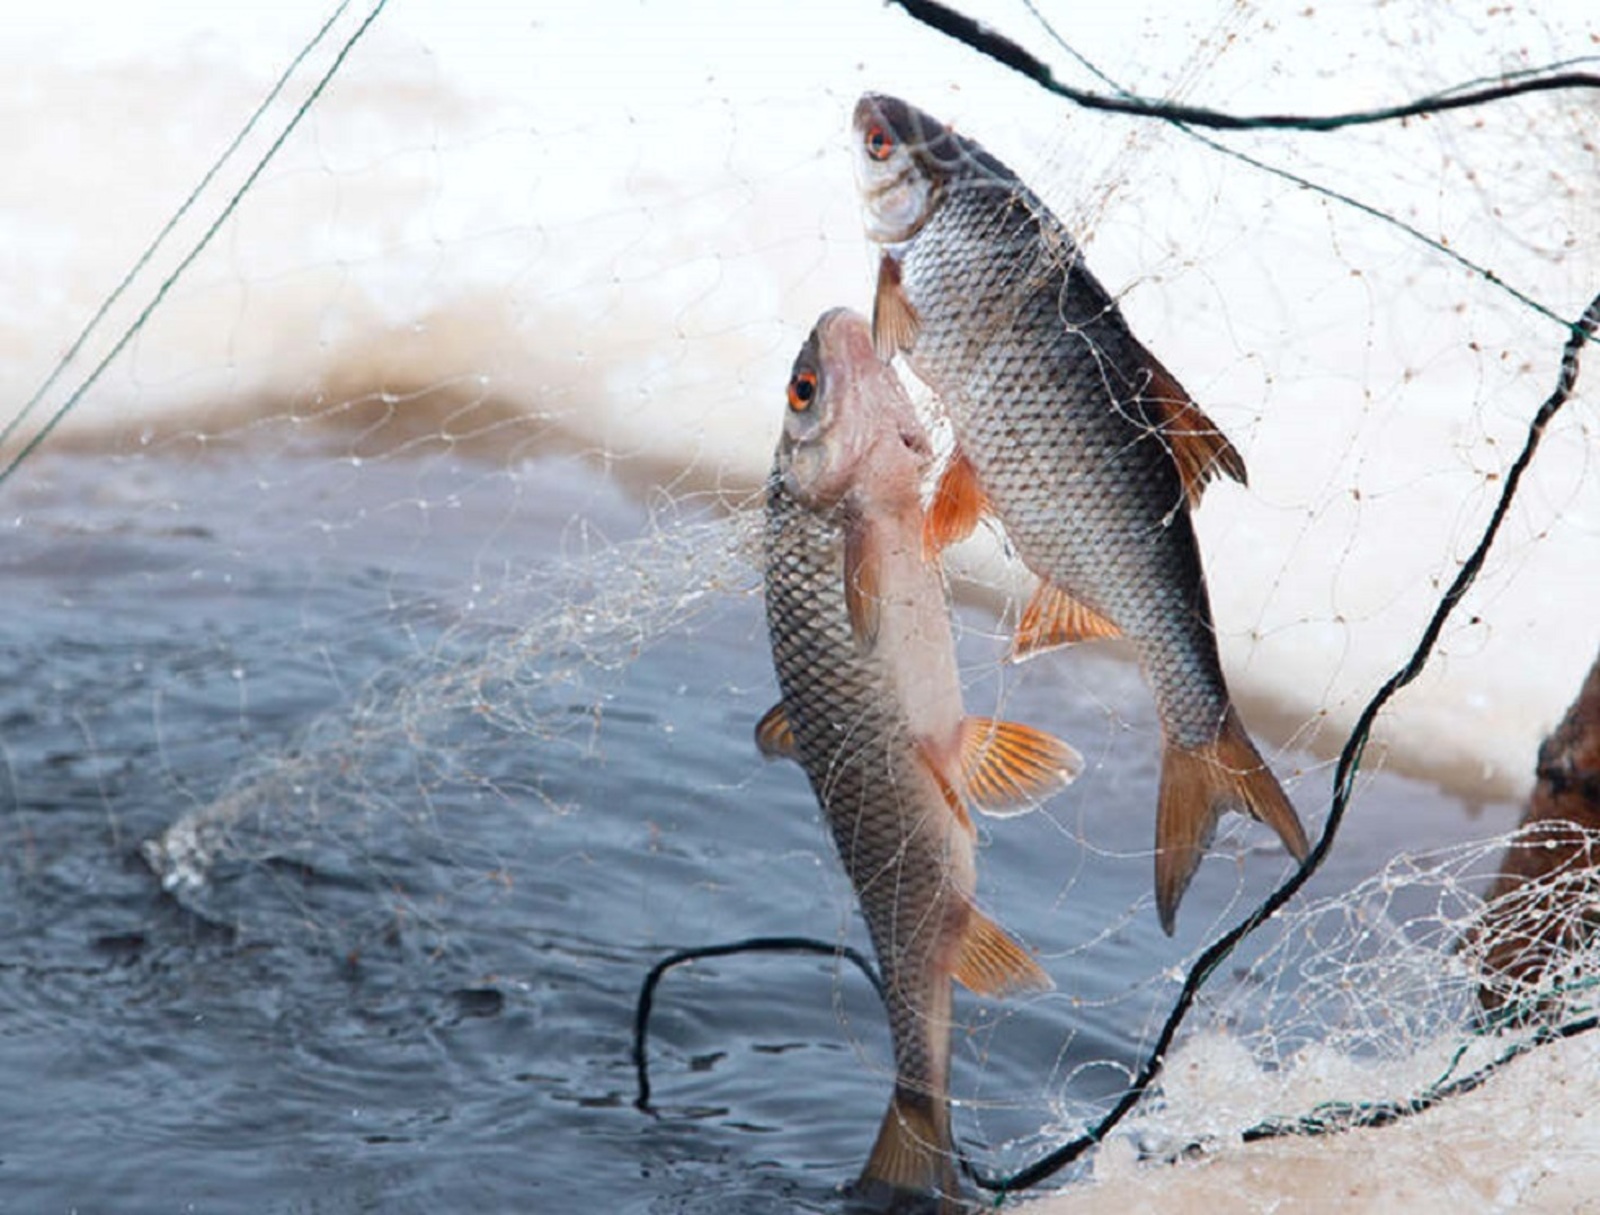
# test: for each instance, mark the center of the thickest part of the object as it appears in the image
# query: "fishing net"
(398, 442)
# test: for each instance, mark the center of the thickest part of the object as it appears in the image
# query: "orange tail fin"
(1196, 787)
(912, 1166)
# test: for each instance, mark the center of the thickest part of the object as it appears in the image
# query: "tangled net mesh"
(1375, 994)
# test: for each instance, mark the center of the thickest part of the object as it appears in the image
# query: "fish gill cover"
(389, 394)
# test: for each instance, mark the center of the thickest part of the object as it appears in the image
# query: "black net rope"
(1326, 1119)
(1343, 1116)
(987, 42)
(955, 24)
(1343, 788)
(647, 990)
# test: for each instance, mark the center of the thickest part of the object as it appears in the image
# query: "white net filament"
(424, 257)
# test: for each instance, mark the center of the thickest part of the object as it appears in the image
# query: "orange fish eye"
(879, 143)
(802, 390)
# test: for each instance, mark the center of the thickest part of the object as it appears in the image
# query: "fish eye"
(879, 143)
(802, 390)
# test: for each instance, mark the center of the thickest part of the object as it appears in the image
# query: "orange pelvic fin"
(1196, 788)
(1006, 766)
(990, 962)
(862, 567)
(912, 1165)
(774, 737)
(958, 503)
(947, 789)
(894, 321)
(1054, 618)
(1200, 449)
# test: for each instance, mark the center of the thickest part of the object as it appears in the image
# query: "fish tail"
(1197, 786)
(912, 1165)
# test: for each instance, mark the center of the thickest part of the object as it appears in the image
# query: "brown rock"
(1545, 905)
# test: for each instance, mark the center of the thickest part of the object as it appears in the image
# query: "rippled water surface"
(408, 981)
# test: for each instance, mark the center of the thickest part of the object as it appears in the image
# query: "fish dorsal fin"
(774, 735)
(1200, 449)
(1054, 618)
(894, 321)
(1005, 765)
(958, 503)
(862, 575)
(991, 963)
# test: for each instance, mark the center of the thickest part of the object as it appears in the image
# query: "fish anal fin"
(912, 1160)
(1054, 618)
(1198, 446)
(958, 503)
(774, 736)
(990, 962)
(862, 570)
(1197, 786)
(1006, 766)
(894, 321)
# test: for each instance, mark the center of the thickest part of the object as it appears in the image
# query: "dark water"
(409, 982)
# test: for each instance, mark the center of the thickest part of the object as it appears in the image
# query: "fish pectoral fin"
(958, 503)
(1198, 446)
(991, 963)
(1054, 618)
(894, 321)
(1007, 766)
(774, 736)
(1197, 786)
(863, 565)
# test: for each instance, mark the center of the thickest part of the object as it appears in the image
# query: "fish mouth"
(842, 335)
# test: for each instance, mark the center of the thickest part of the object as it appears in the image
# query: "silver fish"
(871, 709)
(1075, 436)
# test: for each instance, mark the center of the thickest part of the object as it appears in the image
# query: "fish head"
(905, 160)
(849, 429)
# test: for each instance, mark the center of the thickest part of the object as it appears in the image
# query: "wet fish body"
(871, 709)
(1075, 436)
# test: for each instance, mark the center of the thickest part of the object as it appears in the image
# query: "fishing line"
(199, 247)
(980, 38)
(177, 216)
(1356, 204)
(1343, 788)
(641, 1014)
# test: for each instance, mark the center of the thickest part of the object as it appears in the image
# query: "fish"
(1072, 434)
(870, 707)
